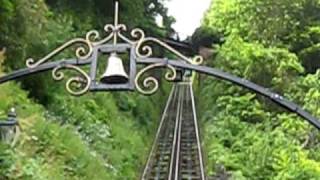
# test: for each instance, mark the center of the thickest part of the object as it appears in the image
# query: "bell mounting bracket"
(107, 49)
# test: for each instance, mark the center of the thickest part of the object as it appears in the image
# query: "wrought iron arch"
(140, 53)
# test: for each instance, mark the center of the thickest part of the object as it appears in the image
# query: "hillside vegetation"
(274, 44)
(96, 136)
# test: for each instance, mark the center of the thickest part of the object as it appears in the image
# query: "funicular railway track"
(176, 152)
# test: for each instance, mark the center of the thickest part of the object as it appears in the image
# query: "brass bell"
(115, 73)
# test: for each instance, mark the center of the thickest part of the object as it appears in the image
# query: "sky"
(188, 14)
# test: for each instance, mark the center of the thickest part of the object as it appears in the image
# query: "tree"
(275, 44)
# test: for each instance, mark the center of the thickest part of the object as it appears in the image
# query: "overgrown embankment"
(274, 44)
(96, 136)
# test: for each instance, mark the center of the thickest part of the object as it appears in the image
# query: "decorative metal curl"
(81, 52)
(151, 82)
(197, 60)
(93, 36)
(92, 39)
(137, 34)
(58, 76)
(145, 51)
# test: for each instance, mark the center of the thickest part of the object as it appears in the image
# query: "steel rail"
(183, 149)
(189, 158)
(174, 143)
(158, 131)
(178, 132)
(197, 132)
(160, 157)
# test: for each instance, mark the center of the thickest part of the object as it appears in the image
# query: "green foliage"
(97, 136)
(253, 61)
(205, 37)
(267, 21)
(6, 160)
(105, 125)
(293, 24)
(274, 44)
(80, 138)
(34, 28)
(2, 58)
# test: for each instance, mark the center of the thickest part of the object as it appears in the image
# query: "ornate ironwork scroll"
(75, 85)
(150, 83)
(86, 46)
(143, 50)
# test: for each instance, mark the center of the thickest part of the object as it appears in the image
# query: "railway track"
(176, 152)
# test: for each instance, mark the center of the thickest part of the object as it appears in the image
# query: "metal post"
(9, 129)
